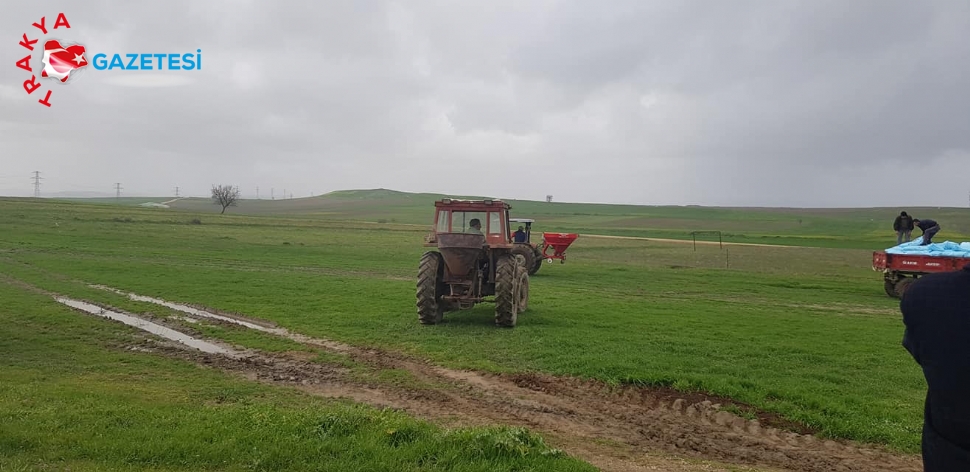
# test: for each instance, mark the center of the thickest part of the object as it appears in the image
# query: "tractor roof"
(521, 220)
(487, 203)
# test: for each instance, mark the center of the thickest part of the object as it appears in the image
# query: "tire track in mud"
(614, 429)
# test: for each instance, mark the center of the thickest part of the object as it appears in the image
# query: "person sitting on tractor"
(474, 227)
(519, 235)
(929, 228)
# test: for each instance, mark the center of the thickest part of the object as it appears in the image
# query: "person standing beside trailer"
(903, 226)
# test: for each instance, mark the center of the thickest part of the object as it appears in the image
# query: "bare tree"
(225, 195)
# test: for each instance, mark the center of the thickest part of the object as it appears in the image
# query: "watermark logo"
(58, 61)
(63, 60)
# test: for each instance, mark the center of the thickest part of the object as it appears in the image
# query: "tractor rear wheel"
(506, 290)
(430, 288)
(522, 280)
(527, 252)
(538, 264)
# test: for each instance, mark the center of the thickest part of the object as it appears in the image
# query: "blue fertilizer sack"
(944, 249)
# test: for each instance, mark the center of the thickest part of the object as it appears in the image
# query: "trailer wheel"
(890, 287)
(902, 285)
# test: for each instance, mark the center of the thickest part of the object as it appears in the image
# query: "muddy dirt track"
(625, 429)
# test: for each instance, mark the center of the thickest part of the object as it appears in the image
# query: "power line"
(117, 190)
(37, 184)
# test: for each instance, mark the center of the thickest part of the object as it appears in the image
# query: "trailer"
(900, 270)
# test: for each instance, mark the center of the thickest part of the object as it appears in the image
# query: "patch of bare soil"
(624, 429)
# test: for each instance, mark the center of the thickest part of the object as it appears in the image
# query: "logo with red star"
(60, 62)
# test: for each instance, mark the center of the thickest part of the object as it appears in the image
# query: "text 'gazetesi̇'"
(187, 61)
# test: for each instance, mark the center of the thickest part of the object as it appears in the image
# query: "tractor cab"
(488, 218)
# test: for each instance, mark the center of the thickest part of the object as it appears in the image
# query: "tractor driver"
(474, 227)
(519, 235)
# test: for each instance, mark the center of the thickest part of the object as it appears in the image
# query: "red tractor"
(534, 254)
(530, 252)
(474, 259)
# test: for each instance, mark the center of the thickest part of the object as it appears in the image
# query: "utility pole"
(117, 190)
(257, 193)
(176, 192)
(284, 194)
(272, 194)
(36, 184)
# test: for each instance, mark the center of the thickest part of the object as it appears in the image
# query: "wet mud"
(615, 429)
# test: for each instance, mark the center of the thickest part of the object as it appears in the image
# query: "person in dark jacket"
(519, 235)
(903, 226)
(929, 228)
(936, 313)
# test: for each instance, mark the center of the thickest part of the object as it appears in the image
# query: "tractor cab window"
(494, 222)
(442, 221)
(461, 219)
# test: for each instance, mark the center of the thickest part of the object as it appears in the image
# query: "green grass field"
(70, 401)
(804, 332)
(866, 228)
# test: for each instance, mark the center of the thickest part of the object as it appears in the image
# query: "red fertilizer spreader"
(558, 242)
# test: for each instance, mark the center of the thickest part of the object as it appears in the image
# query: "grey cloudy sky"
(771, 102)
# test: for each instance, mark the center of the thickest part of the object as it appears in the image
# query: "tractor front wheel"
(430, 288)
(506, 290)
(522, 280)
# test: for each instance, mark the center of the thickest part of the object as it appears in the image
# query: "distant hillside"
(869, 227)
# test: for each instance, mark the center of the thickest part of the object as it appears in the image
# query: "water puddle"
(204, 314)
(332, 345)
(148, 326)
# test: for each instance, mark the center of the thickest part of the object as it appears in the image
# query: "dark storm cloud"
(757, 103)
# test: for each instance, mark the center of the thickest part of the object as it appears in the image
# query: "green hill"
(869, 228)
